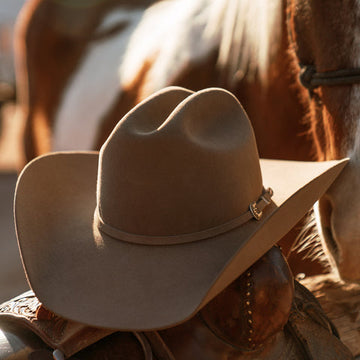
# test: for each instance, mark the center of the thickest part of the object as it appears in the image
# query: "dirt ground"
(12, 277)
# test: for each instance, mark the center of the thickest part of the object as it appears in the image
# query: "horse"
(293, 65)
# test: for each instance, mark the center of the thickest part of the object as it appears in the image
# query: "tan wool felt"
(178, 163)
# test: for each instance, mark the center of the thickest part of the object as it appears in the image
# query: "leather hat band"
(255, 212)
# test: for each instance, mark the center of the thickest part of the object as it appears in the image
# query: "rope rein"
(311, 79)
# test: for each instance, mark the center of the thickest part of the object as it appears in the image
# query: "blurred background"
(12, 278)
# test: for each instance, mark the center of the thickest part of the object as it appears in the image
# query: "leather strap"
(146, 347)
(255, 212)
(158, 346)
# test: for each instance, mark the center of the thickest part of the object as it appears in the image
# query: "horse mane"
(249, 32)
(173, 33)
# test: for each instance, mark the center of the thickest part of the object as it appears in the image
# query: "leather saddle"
(29, 331)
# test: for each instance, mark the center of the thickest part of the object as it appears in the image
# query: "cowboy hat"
(173, 208)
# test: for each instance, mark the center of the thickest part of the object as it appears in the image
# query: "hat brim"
(115, 284)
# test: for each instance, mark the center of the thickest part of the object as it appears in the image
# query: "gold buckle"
(253, 207)
(255, 211)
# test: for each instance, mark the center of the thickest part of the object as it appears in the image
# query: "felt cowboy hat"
(172, 209)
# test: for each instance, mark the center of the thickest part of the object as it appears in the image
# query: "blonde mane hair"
(178, 32)
(250, 34)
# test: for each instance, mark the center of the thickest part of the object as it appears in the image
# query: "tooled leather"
(313, 332)
(68, 336)
(59, 333)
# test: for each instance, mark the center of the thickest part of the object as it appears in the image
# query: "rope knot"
(306, 76)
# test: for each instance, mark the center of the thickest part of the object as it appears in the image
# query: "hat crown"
(179, 164)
